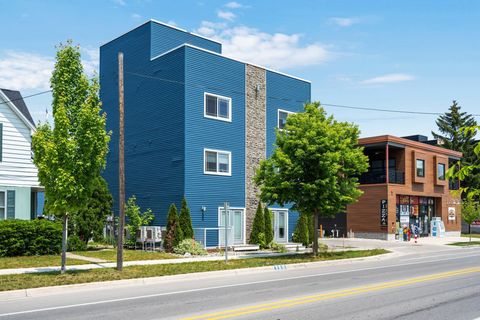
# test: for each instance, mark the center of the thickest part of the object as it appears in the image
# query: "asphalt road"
(419, 284)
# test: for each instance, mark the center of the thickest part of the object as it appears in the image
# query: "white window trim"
(244, 221)
(229, 173)
(278, 116)
(229, 119)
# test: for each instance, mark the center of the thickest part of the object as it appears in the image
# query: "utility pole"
(121, 165)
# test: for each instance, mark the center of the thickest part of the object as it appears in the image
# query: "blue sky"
(409, 55)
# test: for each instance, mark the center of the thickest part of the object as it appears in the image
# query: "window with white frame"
(282, 118)
(218, 107)
(217, 162)
(3, 210)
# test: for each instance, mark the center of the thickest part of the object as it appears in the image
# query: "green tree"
(90, 220)
(174, 234)
(470, 213)
(257, 235)
(463, 172)
(310, 228)
(186, 220)
(301, 233)
(136, 219)
(315, 165)
(453, 137)
(268, 226)
(70, 155)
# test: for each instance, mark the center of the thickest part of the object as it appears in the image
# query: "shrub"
(76, 244)
(174, 234)
(136, 219)
(268, 226)
(29, 237)
(279, 247)
(258, 227)
(190, 246)
(186, 220)
(301, 234)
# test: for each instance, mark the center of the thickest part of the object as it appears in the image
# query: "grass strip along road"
(35, 280)
(287, 303)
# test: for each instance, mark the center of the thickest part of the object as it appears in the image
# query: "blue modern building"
(197, 123)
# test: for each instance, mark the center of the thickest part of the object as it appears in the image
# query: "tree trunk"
(64, 244)
(315, 232)
(470, 231)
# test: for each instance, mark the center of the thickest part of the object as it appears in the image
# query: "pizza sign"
(383, 213)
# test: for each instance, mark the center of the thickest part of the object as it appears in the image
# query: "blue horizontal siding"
(207, 72)
(165, 38)
(154, 128)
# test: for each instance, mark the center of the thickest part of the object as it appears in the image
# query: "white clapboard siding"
(16, 167)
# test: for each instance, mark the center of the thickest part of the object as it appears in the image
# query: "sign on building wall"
(451, 213)
(383, 213)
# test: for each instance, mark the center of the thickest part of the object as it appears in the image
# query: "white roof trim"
(17, 112)
(163, 24)
(221, 55)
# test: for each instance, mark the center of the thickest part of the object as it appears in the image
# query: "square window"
(218, 107)
(420, 167)
(217, 162)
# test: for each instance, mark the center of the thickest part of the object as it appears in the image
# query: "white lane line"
(215, 287)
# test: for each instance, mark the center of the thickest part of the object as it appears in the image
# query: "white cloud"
(389, 78)
(234, 5)
(172, 23)
(344, 22)
(278, 50)
(227, 15)
(136, 16)
(30, 71)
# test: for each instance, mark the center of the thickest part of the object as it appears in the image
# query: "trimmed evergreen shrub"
(258, 228)
(268, 226)
(29, 237)
(300, 234)
(190, 246)
(174, 234)
(186, 220)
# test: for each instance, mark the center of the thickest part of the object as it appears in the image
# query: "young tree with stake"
(70, 155)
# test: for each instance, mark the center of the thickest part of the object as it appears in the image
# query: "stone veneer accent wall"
(255, 139)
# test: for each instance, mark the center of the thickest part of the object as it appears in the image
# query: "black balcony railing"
(394, 176)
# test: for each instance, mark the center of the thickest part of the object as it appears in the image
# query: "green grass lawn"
(465, 244)
(110, 255)
(23, 281)
(474, 235)
(35, 261)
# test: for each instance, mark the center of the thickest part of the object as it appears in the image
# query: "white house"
(21, 196)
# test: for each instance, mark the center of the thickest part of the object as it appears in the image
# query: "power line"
(300, 101)
(25, 97)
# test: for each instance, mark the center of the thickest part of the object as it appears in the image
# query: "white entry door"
(280, 225)
(235, 226)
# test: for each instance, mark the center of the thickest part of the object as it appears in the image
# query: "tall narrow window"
(2, 205)
(217, 162)
(441, 171)
(420, 168)
(218, 107)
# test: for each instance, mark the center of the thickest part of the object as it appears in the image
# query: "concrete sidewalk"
(335, 244)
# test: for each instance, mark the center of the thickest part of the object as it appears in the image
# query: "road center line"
(286, 303)
(220, 287)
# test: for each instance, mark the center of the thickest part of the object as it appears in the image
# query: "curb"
(45, 291)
